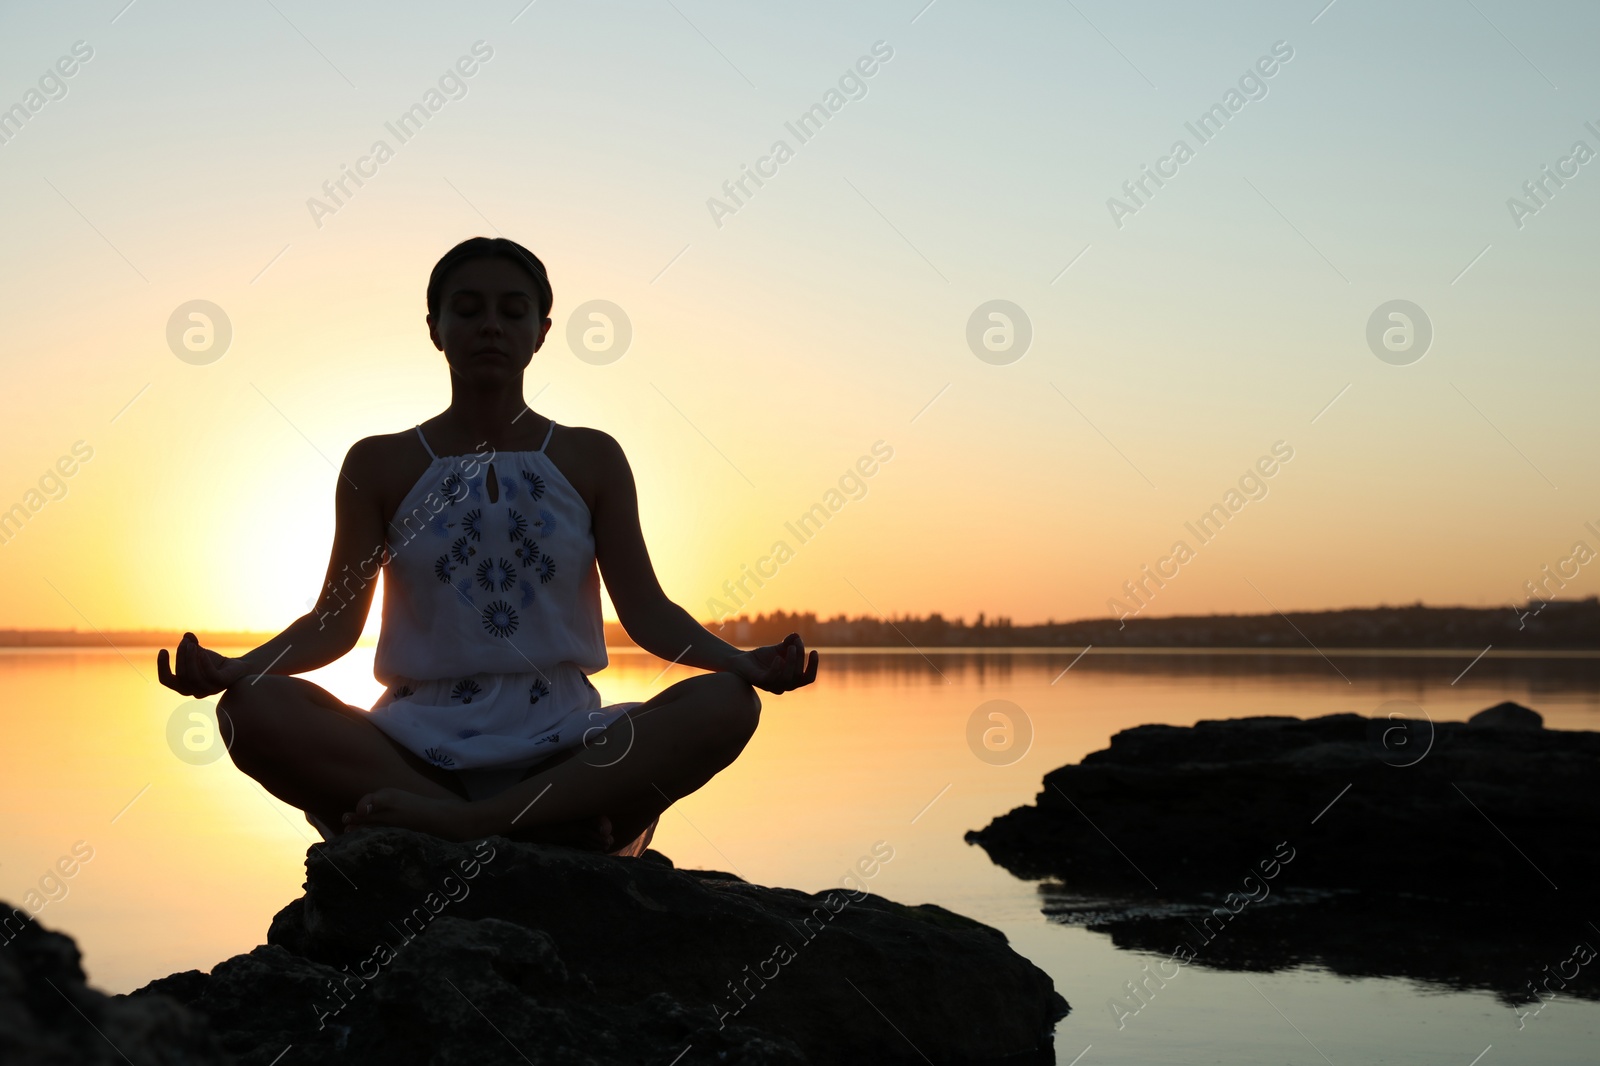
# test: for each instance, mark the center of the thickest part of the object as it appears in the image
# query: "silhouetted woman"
(492, 526)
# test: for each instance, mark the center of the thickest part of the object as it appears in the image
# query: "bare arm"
(332, 627)
(655, 622)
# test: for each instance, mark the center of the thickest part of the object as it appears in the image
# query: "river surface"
(190, 859)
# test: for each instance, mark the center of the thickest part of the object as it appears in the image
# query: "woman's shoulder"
(592, 452)
(587, 438)
(385, 449)
(390, 461)
(588, 458)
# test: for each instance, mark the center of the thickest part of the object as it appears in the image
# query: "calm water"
(190, 861)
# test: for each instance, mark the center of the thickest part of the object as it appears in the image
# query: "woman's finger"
(779, 673)
(198, 659)
(175, 681)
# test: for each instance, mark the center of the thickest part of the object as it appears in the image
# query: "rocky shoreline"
(1459, 854)
(1480, 808)
(407, 948)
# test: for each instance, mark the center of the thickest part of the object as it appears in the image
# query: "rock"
(406, 947)
(48, 1014)
(1507, 715)
(1445, 809)
(1460, 854)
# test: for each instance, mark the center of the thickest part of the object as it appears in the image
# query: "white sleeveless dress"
(491, 619)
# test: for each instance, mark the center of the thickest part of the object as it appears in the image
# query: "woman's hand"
(777, 667)
(200, 671)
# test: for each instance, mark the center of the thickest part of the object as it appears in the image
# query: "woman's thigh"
(661, 750)
(296, 737)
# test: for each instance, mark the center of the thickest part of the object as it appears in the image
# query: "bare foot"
(455, 819)
(448, 818)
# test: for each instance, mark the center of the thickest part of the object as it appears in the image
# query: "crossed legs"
(323, 756)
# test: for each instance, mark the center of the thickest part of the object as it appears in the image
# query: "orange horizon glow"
(1204, 351)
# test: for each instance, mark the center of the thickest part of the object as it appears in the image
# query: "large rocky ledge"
(407, 948)
(1457, 854)
(1454, 809)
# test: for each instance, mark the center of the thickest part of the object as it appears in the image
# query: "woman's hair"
(491, 248)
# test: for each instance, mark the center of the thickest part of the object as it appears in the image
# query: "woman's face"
(488, 324)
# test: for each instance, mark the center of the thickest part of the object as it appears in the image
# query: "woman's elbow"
(337, 631)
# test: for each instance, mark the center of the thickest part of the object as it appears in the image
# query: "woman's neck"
(499, 419)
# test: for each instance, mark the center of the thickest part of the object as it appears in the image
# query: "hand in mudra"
(778, 667)
(200, 672)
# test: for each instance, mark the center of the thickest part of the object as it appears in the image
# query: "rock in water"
(1487, 810)
(408, 948)
(1459, 854)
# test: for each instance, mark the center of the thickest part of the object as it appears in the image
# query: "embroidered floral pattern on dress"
(486, 621)
(546, 523)
(496, 575)
(500, 619)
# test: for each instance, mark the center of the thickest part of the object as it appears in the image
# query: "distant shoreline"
(1543, 627)
(1575, 654)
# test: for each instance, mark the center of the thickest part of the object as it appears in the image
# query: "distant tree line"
(1554, 625)
(1565, 625)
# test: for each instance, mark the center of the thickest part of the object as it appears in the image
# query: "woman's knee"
(734, 705)
(244, 694)
(242, 710)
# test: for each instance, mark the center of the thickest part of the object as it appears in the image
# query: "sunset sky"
(1175, 339)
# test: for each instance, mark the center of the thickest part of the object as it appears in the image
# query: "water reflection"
(191, 861)
(1521, 954)
(1555, 672)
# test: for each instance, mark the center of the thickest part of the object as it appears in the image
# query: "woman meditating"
(492, 526)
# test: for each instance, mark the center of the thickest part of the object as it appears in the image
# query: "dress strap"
(550, 433)
(424, 441)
